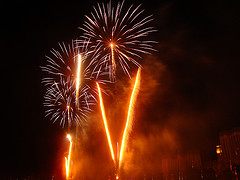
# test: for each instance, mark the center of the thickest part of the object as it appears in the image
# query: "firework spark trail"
(68, 114)
(129, 116)
(105, 122)
(68, 159)
(78, 77)
(113, 62)
(126, 29)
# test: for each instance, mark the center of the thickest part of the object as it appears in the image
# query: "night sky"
(189, 92)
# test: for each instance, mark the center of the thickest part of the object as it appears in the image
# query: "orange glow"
(113, 60)
(68, 159)
(219, 149)
(129, 116)
(78, 76)
(105, 122)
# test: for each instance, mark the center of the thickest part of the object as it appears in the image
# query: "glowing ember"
(105, 122)
(68, 159)
(129, 116)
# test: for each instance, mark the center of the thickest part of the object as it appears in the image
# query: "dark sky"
(190, 86)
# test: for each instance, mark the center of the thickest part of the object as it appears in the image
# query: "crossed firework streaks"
(128, 121)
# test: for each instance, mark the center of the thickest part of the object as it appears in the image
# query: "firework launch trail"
(130, 115)
(105, 122)
(78, 80)
(128, 125)
(113, 61)
(68, 159)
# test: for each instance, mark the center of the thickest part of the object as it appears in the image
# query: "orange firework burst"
(68, 159)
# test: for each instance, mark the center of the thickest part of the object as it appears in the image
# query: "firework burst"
(60, 101)
(119, 35)
(69, 79)
(64, 62)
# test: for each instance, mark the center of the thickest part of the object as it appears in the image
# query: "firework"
(60, 102)
(68, 159)
(119, 35)
(129, 116)
(70, 74)
(105, 122)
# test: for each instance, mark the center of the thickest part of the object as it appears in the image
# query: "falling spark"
(105, 122)
(78, 77)
(129, 116)
(68, 159)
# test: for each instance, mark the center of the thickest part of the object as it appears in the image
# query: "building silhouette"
(230, 145)
(183, 167)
